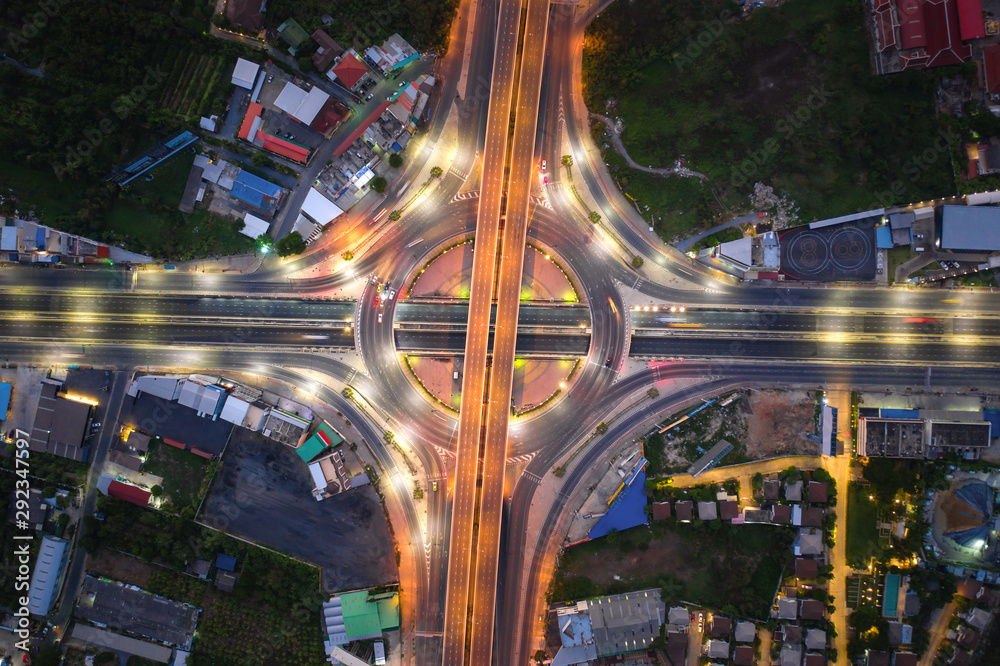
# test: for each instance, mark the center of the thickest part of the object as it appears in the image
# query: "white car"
(543, 165)
(392, 294)
(380, 317)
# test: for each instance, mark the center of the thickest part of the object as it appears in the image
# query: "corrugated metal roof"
(970, 228)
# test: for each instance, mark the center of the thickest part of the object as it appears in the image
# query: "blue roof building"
(4, 400)
(256, 192)
(883, 238)
(225, 562)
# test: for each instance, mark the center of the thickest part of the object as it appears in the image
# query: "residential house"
(721, 626)
(969, 639)
(247, 14)
(677, 643)
(327, 50)
(728, 509)
(661, 510)
(815, 639)
(791, 655)
(684, 510)
(813, 659)
(960, 658)
(791, 634)
(806, 568)
(136, 443)
(793, 491)
(745, 632)
(37, 509)
(743, 656)
(904, 659)
(716, 649)
(707, 511)
(812, 517)
(809, 541)
(770, 489)
(812, 609)
(978, 618)
(678, 616)
(818, 492)
(788, 608)
(876, 658)
(900, 634)
(781, 514)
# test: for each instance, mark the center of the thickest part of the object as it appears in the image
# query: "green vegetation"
(119, 77)
(784, 97)
(897, 256)
(423, 23)
(291, 244)
(395, 160)
(862, 533)
(186, 477)
(735, 570)
(272, 611)
(378, 184)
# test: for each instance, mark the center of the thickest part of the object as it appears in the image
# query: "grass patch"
(185, 475)
(733, 569)
(40, 190)
(897, 256)
(785, 96)
(862, 532)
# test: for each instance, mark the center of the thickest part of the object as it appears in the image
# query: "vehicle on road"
(543, 165)
(378, 299)
(607, 363)
(434, 486)
(369, 98)
(392, 294)
(380, 317)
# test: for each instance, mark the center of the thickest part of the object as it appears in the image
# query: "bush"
(291, 244)
(395, 160)
(637, 261)
(436, 172)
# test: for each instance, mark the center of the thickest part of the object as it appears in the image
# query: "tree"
(259, 159)
(436, 172)
(305, 64)
(264, 241)
(653, 393)
(394, 216)
(347, 255)
(567, 161)
(594, 216)
(291, 244)
(637, 261)
(378, 184)
(156, 491)
(540, 656)
(395, 160)
(601, 428)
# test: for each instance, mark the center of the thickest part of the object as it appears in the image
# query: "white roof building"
(47, 576)
(244, 73)
(299, 104)
(8, 240)
(253, 226)
(201, 398)
(235, 410)
(320, 209)
(208, 123)
(168, 388)
(211, 171)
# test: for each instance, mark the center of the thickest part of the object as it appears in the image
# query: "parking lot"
(163, 418)
(262, 493)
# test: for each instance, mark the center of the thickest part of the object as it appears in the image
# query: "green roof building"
(293, 34)
(324, 438)
(361, 618)
(388, 611)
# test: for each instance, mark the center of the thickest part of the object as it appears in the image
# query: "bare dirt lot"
(771, 423)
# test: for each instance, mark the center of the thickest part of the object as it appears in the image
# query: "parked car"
(369, 98)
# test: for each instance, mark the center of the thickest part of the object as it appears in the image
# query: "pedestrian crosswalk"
(462, 196)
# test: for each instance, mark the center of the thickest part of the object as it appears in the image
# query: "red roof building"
(661, 510)
(350, 70)
(330, 115)
(253, 111)
(285, 148)
(944, 42)
(129, 493)
(970, 19)
(991, 68)
(912, 33)
(885, 29)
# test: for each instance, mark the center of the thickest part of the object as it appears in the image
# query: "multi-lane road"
(273, 321)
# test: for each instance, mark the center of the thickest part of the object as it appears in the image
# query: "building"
(684, 510)
(788, 608)
(809, 541)
(970, 229)
(253, 226)
(815, 639)
(358, 616)
(812, 609)
(781, 514)
(132, 610)
(244, 413)
(293, 34)
(791, 655)
(111, 487)
(793, 491)
(47, 577)
(770, 489)
(728, 509)
(720, 627)
(395, 53)
(251, 122)
(125, 460)
(745, 632)
(300, 104)
(247, 14)
(626, 622)
(818, 492)
(707, 511)
(136, 443)
(327, 50)
(245, 73)
(325, 437)
(349, 71)
(319, 209)
(60, 424)
(791, 633)
(285, 147)
(743, 656)
(257, 193)
(711, 458)
(901, 226)
(161, 386)
(716, 649)
(5, 389)
(806, 568)
(284, 427)
(116, 642)
(206, 399)
(919, 34)
(661, 510)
